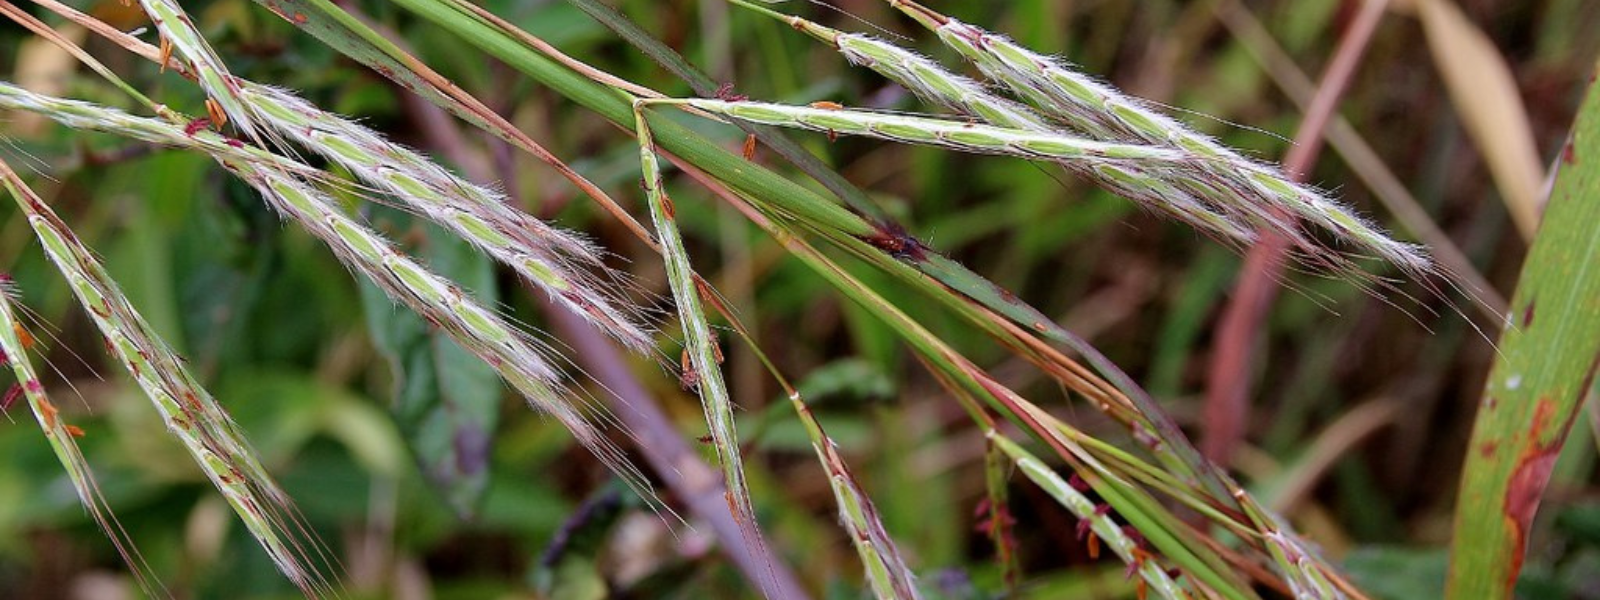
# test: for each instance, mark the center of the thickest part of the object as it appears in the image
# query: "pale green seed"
(823, 120)
(359, 240)
(977, 138)
(907, 132)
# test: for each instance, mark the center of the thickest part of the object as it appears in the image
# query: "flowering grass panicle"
(1179, 197)
(516, 356)
(1249, 187)
(62, 436)
(549, 258)
(555, 260)
(1137, 171)
(186, 408)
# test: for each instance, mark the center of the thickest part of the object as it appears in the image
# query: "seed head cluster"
(1194, 179)
(558, 261)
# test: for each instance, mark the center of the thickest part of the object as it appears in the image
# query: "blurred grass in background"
(1360, 413)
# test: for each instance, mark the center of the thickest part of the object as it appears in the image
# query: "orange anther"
(166, 52)
(214, 109)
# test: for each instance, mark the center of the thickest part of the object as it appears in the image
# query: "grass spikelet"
(514, 355)
(880, 557)
(551, 258)
(538, 252)
(282, 182)
(14, 350)
(933, 83)
(179, 34)
(187, 409)
(699, 341)
(1136, 171)
(94, 117)
(1103, 112)
(517, 358)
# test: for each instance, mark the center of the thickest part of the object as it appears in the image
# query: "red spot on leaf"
(1532, 472)
(1522, 500)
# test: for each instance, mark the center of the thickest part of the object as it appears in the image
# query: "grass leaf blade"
(1547, 363)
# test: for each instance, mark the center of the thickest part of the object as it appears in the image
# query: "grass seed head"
(558, 261)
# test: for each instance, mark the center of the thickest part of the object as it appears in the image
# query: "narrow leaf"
(1485, 93)
(1547, 362)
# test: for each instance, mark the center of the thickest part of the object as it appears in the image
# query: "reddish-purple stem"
(1233, 353)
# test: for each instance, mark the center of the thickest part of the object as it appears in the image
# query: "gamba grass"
(1099, 110)
(480, 216)
(1165, 175)
(15, 344)
(188, 410)
(555, 260)
(519, 359)
(1214, 189)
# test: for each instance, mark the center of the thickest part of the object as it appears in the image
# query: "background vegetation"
(1360, 405)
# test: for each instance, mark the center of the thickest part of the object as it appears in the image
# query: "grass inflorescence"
(1197, 180)
(557, 261)
(190, 413)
